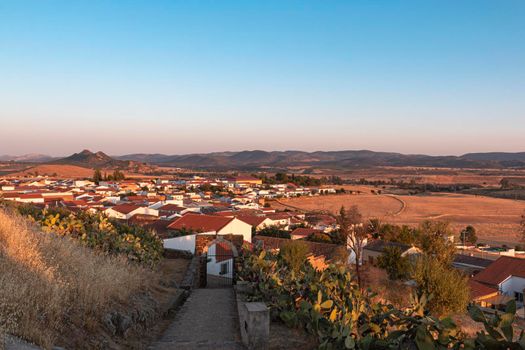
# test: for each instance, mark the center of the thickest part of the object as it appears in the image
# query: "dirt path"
(402, 202)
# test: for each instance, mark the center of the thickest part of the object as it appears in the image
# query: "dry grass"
(59, 170)
(370, 205)
(50, 284)
(495, 219)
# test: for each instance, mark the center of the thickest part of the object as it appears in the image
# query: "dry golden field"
(496, 220)
(428, 175)
(59, 170)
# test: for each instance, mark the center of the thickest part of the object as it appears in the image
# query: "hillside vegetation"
(98, 232)
(52, 285)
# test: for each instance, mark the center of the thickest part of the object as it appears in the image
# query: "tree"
(468, 235)
(97, 176)
(522, 226)
(375, 226)
(274, 231)
(504, 183)
(446, 287)
(354, 233)
(118, 175)
(395, 233)
(319, 237)
(434, 241)
(396, 265)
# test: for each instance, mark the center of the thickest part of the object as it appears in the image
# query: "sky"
(182, 76)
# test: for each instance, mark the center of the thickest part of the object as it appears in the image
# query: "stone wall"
(202, 241)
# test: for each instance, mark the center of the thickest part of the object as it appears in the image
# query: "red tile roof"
(478, 290)
(125, 208)
(31, 195)
(223, 251)
(501, 269)
(203, 223)
(252, 219)
(304, 231)
(171, 207)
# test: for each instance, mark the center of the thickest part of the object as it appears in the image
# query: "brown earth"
(496, 220)
(58, 170)
(429, 175)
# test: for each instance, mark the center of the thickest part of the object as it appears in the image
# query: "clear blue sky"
(436, 77)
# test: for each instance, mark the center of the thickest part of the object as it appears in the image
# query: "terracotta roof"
(501, 269)
(159, 226)
(31, 195)
(137, 218)
(223, 251)
(304, 231)
(278, 216)
(252, 219)
(197, 222)
(171, 207)
(479, 290)
(125, 208)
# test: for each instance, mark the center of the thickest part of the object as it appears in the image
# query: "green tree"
(118, 175)
(468, 235)
(522, 226)
(97, 176)
(396, 265)
(447, 288)
(274, 231)
(319, 237)
(504, 183)
(354, 233)
(434, 241)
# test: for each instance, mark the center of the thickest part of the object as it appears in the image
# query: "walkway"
(207, 320)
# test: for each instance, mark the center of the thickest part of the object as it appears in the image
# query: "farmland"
(496, 220)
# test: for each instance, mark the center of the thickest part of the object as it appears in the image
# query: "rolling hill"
(27, 158)
(92, 160)
(328, 159)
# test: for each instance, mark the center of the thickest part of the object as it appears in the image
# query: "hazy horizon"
(180, 77)
(245, 150)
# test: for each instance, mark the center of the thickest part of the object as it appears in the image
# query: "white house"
(126, 211)
(506, 276)
(206, 223)
(220, 260)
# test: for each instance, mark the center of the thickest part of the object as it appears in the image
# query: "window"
(518, 296)
(224, 269)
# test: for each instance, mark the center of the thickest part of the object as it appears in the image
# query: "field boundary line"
(403, 204)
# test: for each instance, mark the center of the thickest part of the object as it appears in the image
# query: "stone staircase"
(207, 320)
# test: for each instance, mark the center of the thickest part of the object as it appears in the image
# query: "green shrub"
(330, 305)
(396, 265)
(274, 231)
(99, 232)
(447, 287)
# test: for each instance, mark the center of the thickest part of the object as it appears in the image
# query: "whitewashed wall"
(214, 267)
(511, 285)
(181, 243)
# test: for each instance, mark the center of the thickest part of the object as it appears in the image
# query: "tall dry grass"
(51, 284)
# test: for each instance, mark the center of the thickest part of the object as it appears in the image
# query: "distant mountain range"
(333, 159)
(282, 159)
(89, 159)
(28, 158)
